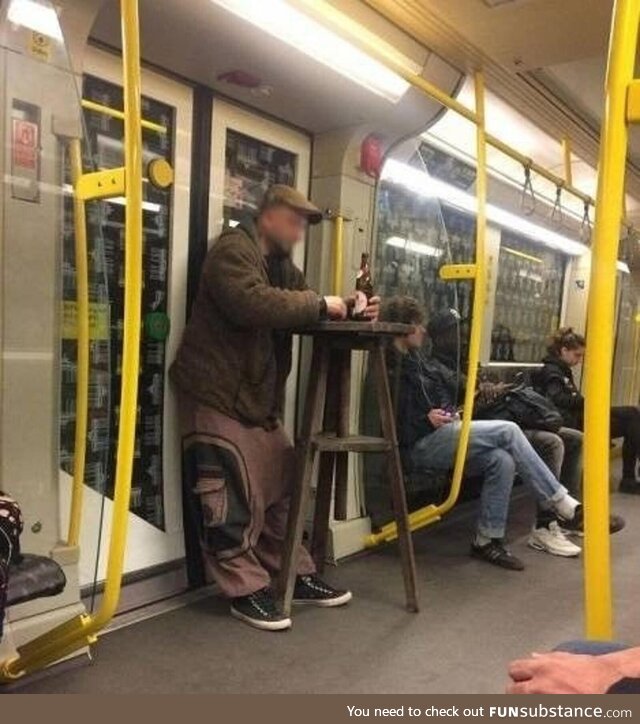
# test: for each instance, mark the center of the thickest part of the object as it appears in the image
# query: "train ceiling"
(204, 43)
(549, 56)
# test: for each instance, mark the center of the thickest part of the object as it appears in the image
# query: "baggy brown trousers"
(238, 483)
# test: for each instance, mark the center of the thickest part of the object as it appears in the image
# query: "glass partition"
(420, 226)
(418, 233)
(528, 299)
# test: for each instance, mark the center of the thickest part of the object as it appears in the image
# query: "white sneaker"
(552, 540)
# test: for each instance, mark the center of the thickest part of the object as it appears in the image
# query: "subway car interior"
(482, 154)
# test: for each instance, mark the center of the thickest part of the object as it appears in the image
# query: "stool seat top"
(350, 327)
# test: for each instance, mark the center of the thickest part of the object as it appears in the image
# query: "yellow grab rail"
(432, 513)
(82, 342)
(81, 630)
(132, 308)
(115, 113)
(600, 318)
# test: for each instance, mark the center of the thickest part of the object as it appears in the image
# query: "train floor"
(474, 619)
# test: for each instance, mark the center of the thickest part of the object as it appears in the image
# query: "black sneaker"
(260, 610)
(494, 552)
(314, 591)
(576, 525)
(630, 486)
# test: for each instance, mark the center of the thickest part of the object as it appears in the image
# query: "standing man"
(230, 371)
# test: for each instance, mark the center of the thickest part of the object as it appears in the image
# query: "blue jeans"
(497, 451)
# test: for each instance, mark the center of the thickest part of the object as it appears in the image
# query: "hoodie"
(422, 385)
(555, 381)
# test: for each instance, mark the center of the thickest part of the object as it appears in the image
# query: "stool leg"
(322, 509)
(342, 458)
(396, 476)
(327, 464)
(302, 485)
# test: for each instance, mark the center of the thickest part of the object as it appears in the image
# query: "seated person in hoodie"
(429, 428)
(555, 381)
(562, 452)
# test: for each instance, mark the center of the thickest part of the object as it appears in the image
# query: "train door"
(155, 529)
(248, 154)
(622, 392)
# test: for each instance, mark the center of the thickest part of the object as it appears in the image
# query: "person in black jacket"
(428, 393)
(555, 381)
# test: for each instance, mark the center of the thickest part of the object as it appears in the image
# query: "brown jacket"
(235, 354)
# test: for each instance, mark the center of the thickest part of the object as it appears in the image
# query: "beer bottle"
(364, 288)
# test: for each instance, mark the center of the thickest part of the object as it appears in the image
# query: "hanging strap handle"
(585, 227)
(528, 199)
(556, 212)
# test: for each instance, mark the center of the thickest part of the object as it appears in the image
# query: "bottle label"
(360, 304)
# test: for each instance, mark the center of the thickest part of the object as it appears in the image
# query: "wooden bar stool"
(325, 433)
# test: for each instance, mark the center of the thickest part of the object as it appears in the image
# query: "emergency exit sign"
(25, 145)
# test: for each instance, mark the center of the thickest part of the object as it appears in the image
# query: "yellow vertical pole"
(600, 320)
(479, 296)
(338, 254)
(132, 308)
(82, 343)
(566, 157)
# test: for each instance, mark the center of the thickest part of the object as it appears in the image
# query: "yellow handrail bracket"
(633, 102)
(455, 272)
(101, 184)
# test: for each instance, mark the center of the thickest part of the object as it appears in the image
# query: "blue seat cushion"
(34, 577)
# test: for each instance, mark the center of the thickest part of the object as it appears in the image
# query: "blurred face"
(572, 357)
(281, 228)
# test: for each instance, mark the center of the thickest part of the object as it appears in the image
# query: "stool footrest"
(351, 443)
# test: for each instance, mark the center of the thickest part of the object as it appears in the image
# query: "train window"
(528, 299)
(251, 166)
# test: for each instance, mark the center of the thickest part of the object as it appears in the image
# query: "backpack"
(11, 525)
(524, 406)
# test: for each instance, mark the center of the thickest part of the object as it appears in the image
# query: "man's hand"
(336, 307)
(563, 673)
(438, 417)
(372, 312)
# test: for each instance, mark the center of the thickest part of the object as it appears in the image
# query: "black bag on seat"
(11, 525)
(524, 406)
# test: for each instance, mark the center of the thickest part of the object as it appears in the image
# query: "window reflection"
(415, 237)
(528, 299)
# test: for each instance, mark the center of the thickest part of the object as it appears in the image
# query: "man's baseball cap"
(442, 322)
(281, 195)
